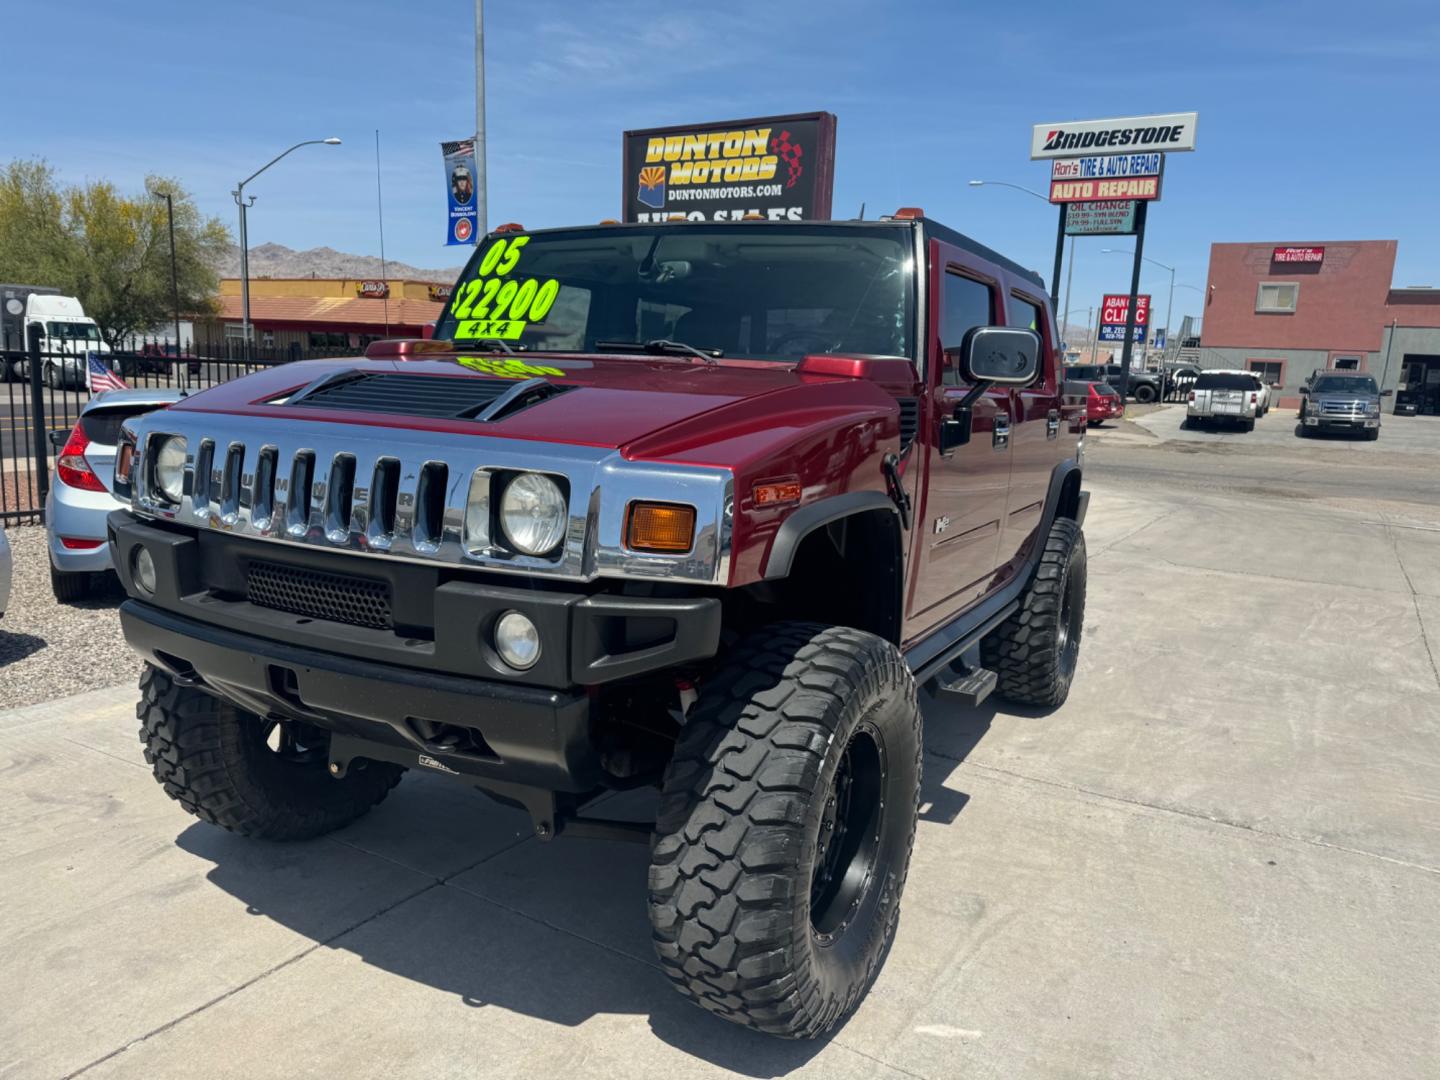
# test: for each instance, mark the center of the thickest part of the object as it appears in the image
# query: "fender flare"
(804, 521)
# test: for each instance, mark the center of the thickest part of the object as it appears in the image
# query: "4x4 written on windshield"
(494, 305)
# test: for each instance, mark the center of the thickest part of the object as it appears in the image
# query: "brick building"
(1289, 309)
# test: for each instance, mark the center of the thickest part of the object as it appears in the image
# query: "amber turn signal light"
(663, 528)
(776, 492)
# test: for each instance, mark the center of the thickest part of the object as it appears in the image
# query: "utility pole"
(1069, 276)
(174, 283)
(482, 208)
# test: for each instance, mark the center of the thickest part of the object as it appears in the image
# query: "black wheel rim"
(1068, 632)
(848, 841)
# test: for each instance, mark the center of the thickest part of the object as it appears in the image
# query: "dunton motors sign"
(1166, 133)
(780, 168)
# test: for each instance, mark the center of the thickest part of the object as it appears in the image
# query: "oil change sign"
(1100, 218)
(781, 168)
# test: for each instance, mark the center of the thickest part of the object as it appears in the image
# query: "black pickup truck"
(1143, 386)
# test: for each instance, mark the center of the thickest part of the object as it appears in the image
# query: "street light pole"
(482, 202)
(1059, 242)
(174, 280)
(239, 194)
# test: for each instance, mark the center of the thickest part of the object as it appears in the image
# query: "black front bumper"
(409, 688)
(528, 736)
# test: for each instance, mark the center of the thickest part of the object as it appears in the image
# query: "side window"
(966, 304)
(1023, 313)
(1026, 313)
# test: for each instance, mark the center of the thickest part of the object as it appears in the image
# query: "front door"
(961, 512)
(1034, 432)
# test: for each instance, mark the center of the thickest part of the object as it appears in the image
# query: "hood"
(606, 400)
(1344, 397)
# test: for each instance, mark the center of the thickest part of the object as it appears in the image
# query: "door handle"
(1001, 439)
(1052, 424)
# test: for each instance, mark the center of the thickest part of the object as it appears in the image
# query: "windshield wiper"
(494, 344)
(660, 347)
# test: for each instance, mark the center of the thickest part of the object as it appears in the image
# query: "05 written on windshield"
(492, 304)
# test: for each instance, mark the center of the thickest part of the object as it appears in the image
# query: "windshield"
(763, 292)
(1224, 380)
(1345, 384)
(76, 331)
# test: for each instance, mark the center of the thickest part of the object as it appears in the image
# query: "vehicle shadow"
(14, 647)
(557, 932)
(503, 934)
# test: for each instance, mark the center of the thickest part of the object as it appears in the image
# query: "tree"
(110, 250)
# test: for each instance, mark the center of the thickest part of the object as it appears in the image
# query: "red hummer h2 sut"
(689, 506)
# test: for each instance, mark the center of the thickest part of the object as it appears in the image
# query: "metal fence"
(43, 393)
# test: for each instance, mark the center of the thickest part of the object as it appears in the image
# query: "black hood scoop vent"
(438, 397)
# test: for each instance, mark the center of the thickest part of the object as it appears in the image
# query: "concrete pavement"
(1220, 859)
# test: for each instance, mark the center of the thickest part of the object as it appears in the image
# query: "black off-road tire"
(1034, 652)
(212, 759)
(1144, 394)
(69, 588)
(753, 916)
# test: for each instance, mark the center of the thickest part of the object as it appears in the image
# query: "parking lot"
(1221, 858)
(1280, 428)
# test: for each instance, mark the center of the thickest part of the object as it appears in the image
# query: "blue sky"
(1317, 118)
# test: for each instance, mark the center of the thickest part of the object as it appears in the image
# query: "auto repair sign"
(1312, 255)
(1166, 133)
(779, 167)
(1114, 312)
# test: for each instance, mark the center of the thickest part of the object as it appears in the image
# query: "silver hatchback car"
(80, 496)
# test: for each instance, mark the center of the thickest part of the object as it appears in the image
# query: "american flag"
(100, 377)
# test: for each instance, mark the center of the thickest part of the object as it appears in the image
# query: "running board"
(971, 687)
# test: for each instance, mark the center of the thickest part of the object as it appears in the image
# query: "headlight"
(170, 469)
(533, 513)
(1374, 409)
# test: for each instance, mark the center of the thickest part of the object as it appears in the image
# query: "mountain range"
(279, 261)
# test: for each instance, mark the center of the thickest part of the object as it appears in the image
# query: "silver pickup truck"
(1223, 396)
(1341, 401)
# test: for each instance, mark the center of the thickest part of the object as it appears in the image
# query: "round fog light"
(516, 640)
(143, 571)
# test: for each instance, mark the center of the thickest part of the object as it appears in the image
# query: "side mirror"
(58, 439)
(1304, 390)
(1387, 393)
(1002, 355)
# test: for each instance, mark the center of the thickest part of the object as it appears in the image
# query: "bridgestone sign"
(1168, 134)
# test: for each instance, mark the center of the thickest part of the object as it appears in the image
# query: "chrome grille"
(403, 493)
(319, 595)
(1342, 408)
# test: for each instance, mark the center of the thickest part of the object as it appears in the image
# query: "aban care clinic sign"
(1166, 133)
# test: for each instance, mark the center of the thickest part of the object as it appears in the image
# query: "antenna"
(862, 212)
(380, 213)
